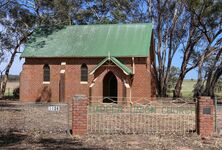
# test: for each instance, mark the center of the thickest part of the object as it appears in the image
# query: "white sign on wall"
(53, 108)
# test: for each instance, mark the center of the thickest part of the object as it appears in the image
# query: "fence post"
(215, 116)
(205, 116)
(79, 115)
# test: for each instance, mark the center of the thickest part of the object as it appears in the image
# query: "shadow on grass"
(13, 139)
(65, 144)
(9, 107)
(8, 138)
(6, 105)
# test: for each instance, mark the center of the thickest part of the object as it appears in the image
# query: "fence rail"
(176, 117)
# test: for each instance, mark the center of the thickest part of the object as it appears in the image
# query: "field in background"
(11, 85)
(187, 89)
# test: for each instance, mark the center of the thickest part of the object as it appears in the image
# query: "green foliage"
(173, 77)
(16, 93)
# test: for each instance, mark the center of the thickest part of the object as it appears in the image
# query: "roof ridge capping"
(111, 24)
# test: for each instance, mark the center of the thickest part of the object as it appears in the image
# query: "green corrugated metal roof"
(120, 40)
(125, 69)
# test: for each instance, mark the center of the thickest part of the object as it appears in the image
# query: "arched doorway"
(110, 88)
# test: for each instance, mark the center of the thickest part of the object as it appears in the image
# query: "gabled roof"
(123, 67)
(121, 40)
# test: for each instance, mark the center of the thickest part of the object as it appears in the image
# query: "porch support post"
(62, 83)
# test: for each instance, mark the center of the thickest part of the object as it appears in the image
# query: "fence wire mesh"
(163, 117)
(32, 117)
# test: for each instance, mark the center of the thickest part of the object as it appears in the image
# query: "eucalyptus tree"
(204, 38)
(18, 21)
(170, 23)
(213, 74)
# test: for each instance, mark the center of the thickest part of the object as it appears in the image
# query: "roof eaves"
(98, 65)
(123, 67)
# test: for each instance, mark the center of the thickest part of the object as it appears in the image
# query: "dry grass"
(12, 84)
(28, 117)
(18, 140)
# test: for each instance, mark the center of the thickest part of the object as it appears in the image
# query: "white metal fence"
(164, 117)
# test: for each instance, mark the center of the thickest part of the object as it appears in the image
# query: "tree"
(15, 30)
(173, 77)
(213, 74)
(19, 19)
(218, 86)
(204, 37)
(113, 11)
(170, 24)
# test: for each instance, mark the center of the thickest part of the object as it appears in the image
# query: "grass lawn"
(11, 85)
(187, 89)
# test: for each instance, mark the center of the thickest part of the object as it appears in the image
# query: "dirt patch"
(18, 140)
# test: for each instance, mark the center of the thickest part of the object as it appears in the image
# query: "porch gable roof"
(123, 67)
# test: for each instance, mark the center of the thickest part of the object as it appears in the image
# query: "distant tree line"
(189, 27)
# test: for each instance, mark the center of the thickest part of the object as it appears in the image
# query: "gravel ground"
(17, 140)
(33, 117)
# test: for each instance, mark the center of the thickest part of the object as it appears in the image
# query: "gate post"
(205, 116)
(79, 115)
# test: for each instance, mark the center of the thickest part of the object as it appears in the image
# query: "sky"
(17, 66)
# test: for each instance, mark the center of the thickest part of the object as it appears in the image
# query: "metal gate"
(141, 117)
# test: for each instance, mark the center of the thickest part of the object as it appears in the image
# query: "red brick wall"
(79, 115)
(32, 78)
(205, 120)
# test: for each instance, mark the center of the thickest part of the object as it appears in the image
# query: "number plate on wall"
(53, 108)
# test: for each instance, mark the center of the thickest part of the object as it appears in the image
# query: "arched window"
(46, 73)
(84, 73)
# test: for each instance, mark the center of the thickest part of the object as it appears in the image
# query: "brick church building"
(108, 61)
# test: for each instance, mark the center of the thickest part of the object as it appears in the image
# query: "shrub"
(16, 92)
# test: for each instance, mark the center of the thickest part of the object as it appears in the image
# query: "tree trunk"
(5, 77)
(178, 86)
(9, 65)
(199, 85)
(209, 89)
